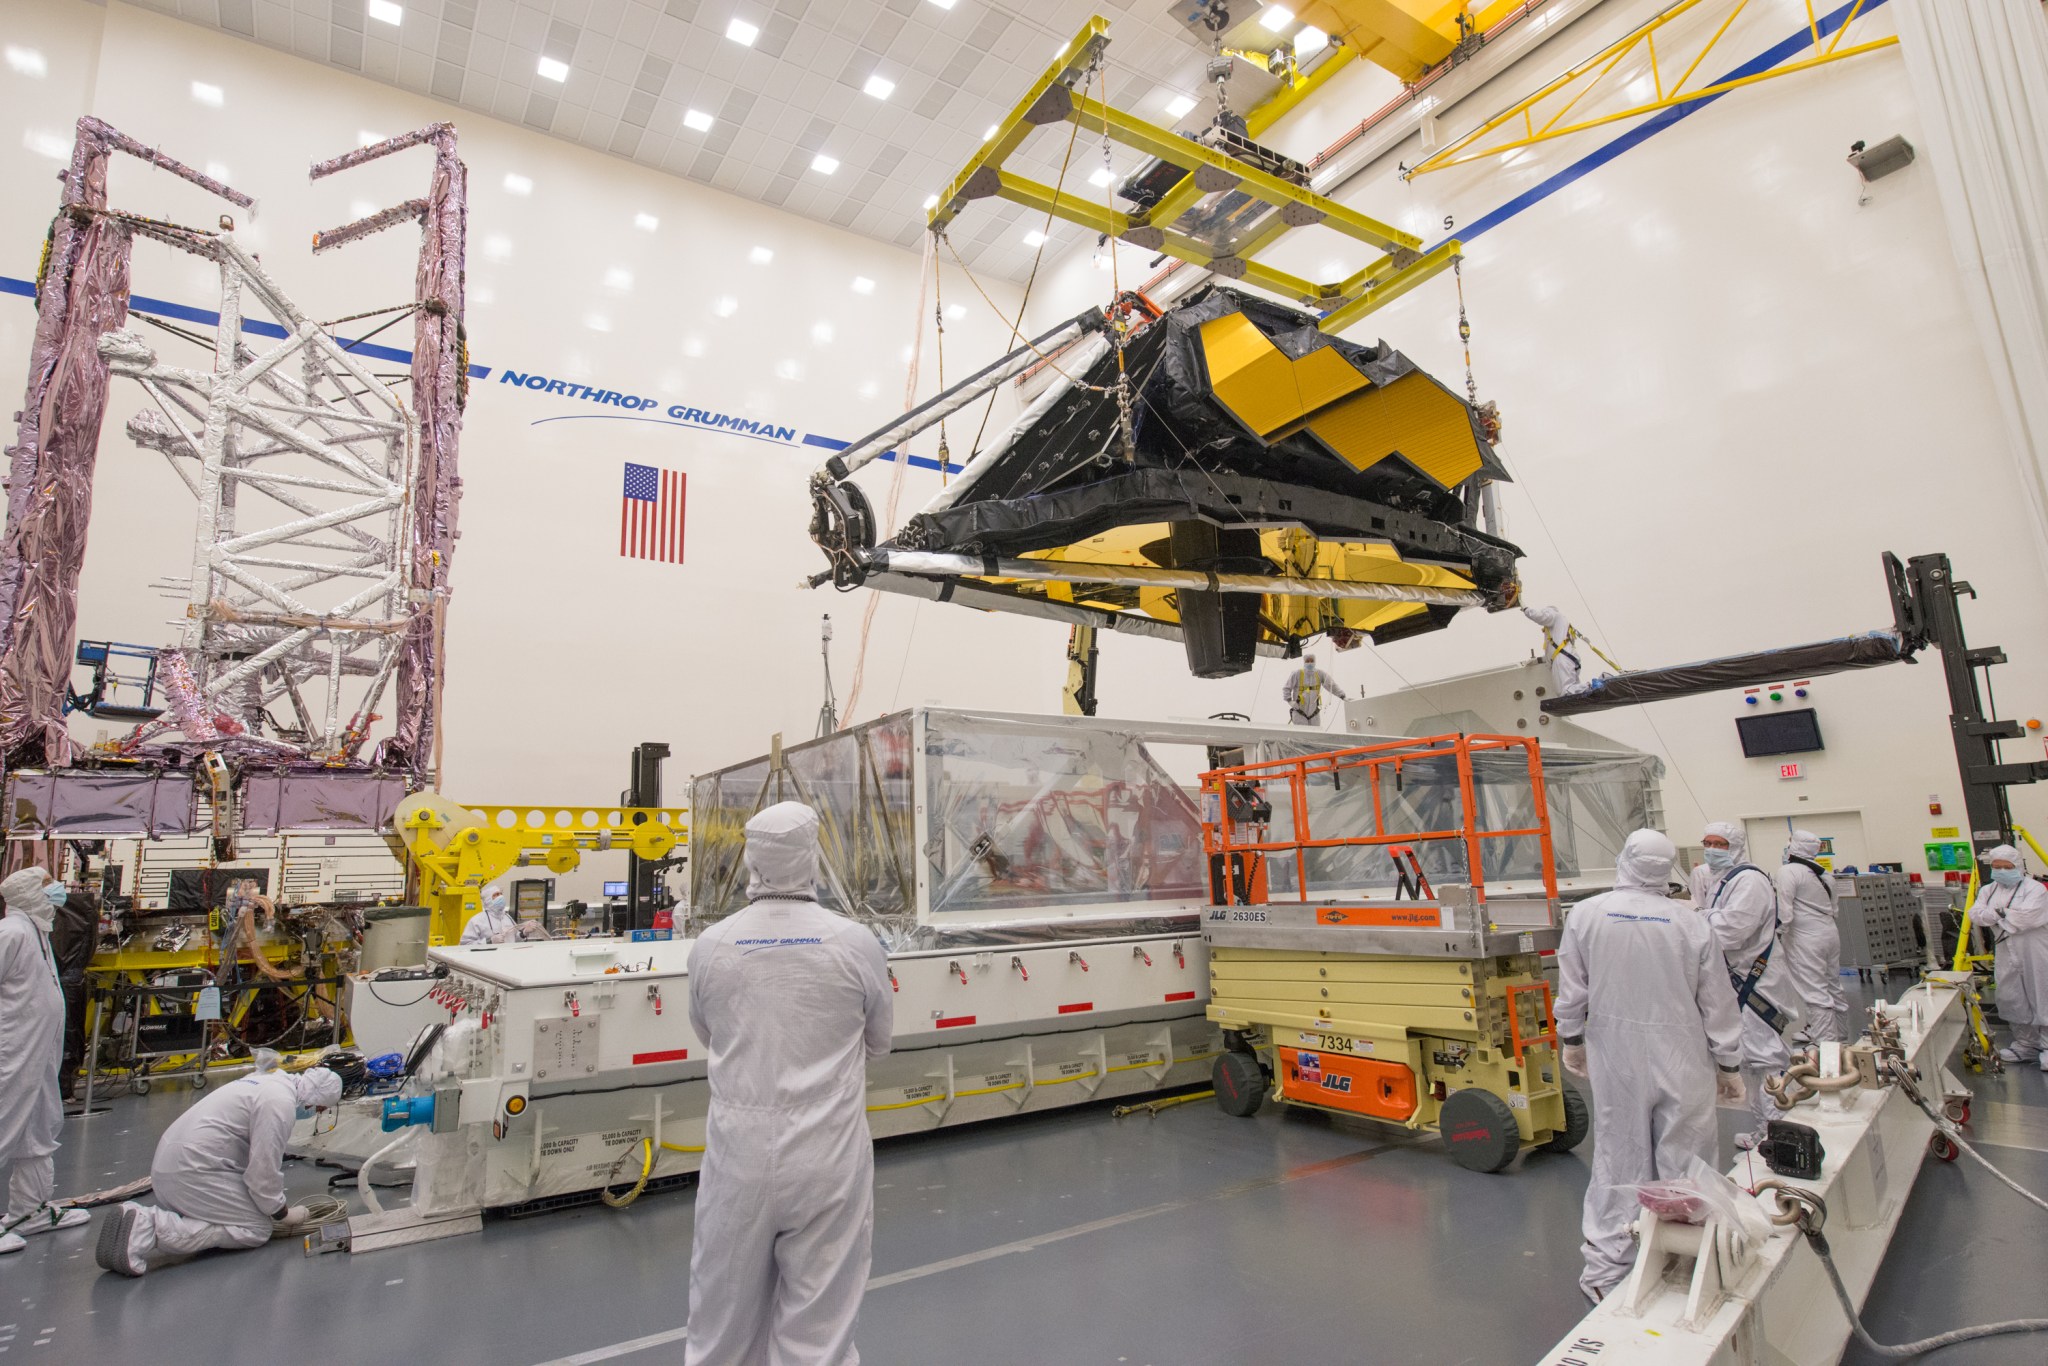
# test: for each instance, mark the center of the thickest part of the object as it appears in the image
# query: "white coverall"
(494, 924)
(790, 1002)
(31, 1044)
(1641, 980)
(1810, 940)
(1557, 639)
(218, 1175)
(1742, 906)
(2016, 918)
(1304, 693)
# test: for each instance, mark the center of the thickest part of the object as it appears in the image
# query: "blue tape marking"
(1657, 123)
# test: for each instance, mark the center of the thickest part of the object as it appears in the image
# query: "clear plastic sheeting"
(84, 804)
(1594, 798)
(1038, 826)
(1026, 814)
(859, 783)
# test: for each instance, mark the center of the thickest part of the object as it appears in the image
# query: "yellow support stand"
(1965, 961)
(460, 848)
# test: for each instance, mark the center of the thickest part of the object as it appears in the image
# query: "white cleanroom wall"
(1731, 375)
(584, 270)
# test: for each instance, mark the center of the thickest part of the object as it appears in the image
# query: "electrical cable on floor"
(1153, 1107)
(321, 1209)
(1903, 1351)
(604, 1192)
(1948, 1129)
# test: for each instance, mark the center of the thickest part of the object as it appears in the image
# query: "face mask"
(57, 892)
(2007, 877)
(1720, 860)
(304, 1112)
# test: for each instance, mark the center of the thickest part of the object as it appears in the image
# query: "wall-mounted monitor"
(1779, 732)
(615, 889)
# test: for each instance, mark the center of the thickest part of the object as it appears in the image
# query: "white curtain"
(1980, 73)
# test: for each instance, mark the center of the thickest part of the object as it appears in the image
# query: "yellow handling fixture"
(1546, 114)
(1060, 96)
(459, 848)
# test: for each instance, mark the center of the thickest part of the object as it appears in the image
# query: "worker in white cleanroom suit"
(790, 1001)
(1646, 1013)
(2013, 909)
(219, 1173)
(1557, 648)
(1304, 691)
(494, 924)
(1741, 902)
(31, 1047)
(1812, 943)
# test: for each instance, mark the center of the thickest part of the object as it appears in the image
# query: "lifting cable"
(1472, 391)
(928, 274)
(1037, 257)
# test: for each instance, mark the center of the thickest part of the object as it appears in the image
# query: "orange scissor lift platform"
(1345, 981)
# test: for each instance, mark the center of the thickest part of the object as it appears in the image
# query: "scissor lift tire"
(1240, 1084)
(1578, 1122)
(1479, 1130)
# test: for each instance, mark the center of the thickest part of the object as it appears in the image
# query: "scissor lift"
(1422, 1007)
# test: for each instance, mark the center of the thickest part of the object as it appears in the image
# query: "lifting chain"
(939, 317)
(1488, 413)
(1119, 319)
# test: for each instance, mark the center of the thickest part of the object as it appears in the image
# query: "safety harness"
(1308, 692)
(1572, 633)
(1820, 875)
(1746, 995)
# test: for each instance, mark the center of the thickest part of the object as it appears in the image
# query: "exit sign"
(1788, 771)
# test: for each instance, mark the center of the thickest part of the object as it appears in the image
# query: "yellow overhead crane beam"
(1053, 99)
(1545, 115)
(459, 848)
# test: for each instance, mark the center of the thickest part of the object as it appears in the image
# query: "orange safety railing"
(1236, 863)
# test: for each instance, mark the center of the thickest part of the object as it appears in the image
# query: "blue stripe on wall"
(185, 313)
(917, 462)
(1655, 124)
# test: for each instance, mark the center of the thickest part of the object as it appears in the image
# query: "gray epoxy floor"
(1189, 1237)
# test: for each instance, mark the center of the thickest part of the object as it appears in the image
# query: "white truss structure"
(305, 584)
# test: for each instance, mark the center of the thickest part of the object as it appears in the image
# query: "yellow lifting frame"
(456, 855)
(1526, 112)
(1051, 99)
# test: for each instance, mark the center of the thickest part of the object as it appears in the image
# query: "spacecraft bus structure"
(1223, 473)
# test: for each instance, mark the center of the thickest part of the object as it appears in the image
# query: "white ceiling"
(635, 67)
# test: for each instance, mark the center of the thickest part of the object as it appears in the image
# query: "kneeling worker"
(1646, 1011)
(219, 1172)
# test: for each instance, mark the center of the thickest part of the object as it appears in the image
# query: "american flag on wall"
(651, 515)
